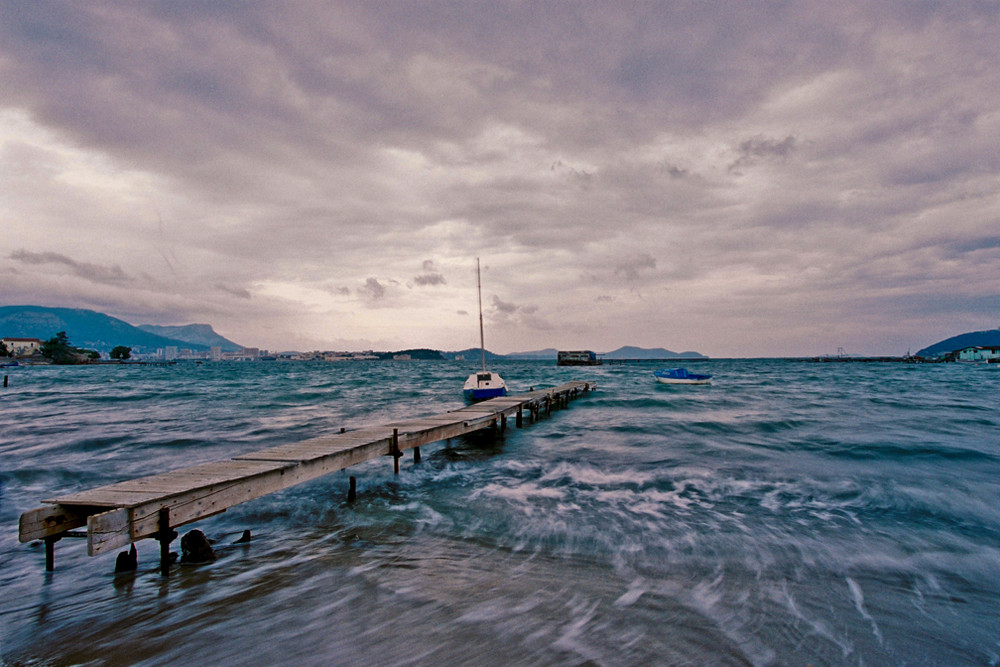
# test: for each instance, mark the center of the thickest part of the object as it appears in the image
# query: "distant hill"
(472, 354)
(547, 353)
(631, 352)
(989, 338)
(416, 354)
(195, 334)
(86, 329)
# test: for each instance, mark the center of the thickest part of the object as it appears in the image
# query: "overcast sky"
(737, 179)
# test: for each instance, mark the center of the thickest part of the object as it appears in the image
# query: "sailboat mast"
(482, 341)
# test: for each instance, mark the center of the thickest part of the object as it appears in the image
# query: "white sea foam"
(859, 604)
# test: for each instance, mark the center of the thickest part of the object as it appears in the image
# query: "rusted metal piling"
(121, 514)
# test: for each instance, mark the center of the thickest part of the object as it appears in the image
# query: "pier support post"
(352, 491)
(165, 535)
(519, 420)
(50, 551)
(503, 423)
(395, 451)
(416, 455)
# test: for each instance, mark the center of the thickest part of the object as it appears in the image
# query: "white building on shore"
(22, 347)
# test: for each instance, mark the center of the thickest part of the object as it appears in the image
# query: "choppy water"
(791, 513)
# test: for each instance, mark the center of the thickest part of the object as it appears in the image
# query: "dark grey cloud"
(238, 292)
(96, 273)
(762, 148)
(631, 269)
(429, 275)
(504, 307)
(373, 289)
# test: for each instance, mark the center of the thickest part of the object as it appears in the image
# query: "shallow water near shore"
(789, 513)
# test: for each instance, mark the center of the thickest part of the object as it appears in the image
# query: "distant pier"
(121, 514)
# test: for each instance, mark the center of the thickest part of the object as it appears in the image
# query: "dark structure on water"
(577, 358)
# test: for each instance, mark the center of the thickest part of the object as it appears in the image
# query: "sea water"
(790, 513)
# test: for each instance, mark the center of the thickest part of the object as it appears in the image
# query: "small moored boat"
(681, 376)
(481, 386)
(484, 384)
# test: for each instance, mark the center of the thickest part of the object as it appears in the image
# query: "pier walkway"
(151, 507)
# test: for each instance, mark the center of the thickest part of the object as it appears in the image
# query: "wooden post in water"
(395, 451)
(519, 420)
(503, 423)
(164, 535)
(50, 550)
(416, 455)
(352, 491)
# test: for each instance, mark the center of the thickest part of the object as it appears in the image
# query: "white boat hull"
(679, 381)
(482, 386)
(681, 376)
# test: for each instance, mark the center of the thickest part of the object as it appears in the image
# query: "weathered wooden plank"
(352, 456)
(300, 452)
(105, 497)
(443, 432)
(134, 492)
(425, 422)
(50, 520)
(109, 530)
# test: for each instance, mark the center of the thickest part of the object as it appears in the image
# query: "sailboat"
(484, 384)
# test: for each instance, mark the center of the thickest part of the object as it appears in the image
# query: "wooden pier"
(121, 514)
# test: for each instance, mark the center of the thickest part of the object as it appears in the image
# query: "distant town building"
(22, 347)
(170, 352)
(215, 353)
(979, 354)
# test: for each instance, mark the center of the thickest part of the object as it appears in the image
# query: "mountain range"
(91, 330)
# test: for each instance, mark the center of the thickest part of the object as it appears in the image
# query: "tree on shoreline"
(59, 350)
(121, 352)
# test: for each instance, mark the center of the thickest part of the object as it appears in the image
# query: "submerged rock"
(195, 548)
(127, 561)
